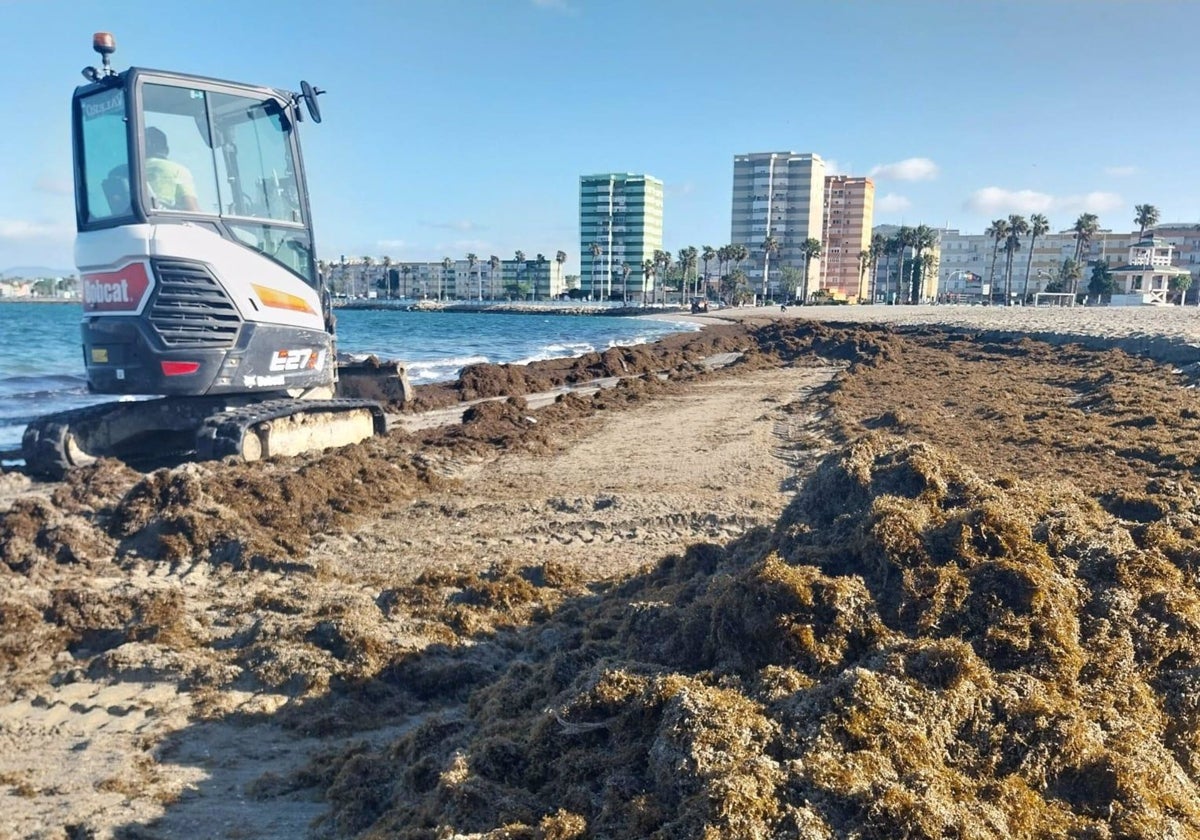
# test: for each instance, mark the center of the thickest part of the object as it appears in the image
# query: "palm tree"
(533, 287)
(1072, 272)
(367, 262)
(891, 247)
(1017, 228)
(494, 265)
(740, 254)
(406, 271)
(472, 265)
(1147, 217)
(663, 262)
(904, 240)
(864, 262)
(769, 246)
(878, 249)
(625, 270)
(1039, 225)
(561, 259)
(924, 238)
(647, 275)
(811, 249)
(595, 251)
(446, 265)
(998, 230)
(687, 260)
(387, 275)
(707, 255)
(1086, 227)
(519, 256)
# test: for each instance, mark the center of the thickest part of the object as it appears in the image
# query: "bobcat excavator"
(198, 278)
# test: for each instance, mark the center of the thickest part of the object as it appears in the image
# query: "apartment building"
(544, 276)
(778, 194)
(972, 262)
(846, 233)
(1184, 238)
(621, 214)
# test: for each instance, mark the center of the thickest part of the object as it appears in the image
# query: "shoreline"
(577, 308)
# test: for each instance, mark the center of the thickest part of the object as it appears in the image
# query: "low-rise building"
(1147, 275)
(434, 280)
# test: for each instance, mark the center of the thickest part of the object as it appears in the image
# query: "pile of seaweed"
(914, 652)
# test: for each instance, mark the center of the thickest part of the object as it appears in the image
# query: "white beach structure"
(1146, 278)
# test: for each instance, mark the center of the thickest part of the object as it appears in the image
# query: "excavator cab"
(198, 278)
(195, 241)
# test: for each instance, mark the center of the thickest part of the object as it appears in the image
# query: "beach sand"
(898, 569)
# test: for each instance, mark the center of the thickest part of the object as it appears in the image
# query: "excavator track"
(287, 427)
(48, 446)
(154, 432)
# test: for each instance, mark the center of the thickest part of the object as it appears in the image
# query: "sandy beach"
(886, 571)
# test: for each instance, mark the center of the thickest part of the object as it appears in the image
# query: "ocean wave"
(38, 386)
(439, 370)
(556, 351)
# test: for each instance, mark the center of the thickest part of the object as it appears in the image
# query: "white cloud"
(23, 230)
(909, 169)
(833, 167)
(892, 203)
(1121, 171)
(990, 200)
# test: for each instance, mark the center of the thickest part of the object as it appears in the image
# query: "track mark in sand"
(87, 707)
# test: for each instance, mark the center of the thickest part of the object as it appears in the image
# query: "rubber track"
(43, 445)
(221, 435)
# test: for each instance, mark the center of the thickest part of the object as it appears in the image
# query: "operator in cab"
(170, 183)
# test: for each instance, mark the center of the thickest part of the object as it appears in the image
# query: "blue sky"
(464, 125)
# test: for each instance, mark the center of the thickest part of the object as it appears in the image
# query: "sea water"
(41, 366)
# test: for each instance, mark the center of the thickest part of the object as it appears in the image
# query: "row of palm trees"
(683, 268)
(1007, 235)
(918, 240)
(407, 273)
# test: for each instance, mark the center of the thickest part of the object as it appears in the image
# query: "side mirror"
(310, 94)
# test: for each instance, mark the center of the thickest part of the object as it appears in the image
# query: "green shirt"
(170, 183)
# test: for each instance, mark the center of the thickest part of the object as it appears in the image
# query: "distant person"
(170, 183)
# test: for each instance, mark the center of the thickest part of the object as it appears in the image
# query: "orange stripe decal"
(281, 300)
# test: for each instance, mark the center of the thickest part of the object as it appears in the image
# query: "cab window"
(105, 183)
(180, 172)
(256, 166)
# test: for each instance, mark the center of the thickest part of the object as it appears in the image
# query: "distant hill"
(32, 272)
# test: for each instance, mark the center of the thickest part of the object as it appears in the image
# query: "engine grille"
(190, 309)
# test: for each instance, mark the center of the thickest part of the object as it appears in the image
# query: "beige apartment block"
(849, 214)
(777, 194)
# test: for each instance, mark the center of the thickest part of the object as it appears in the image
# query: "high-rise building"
(781, 195)
(620, 225)
(849, 213)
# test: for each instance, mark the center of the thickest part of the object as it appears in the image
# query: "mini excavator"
(198, 279)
